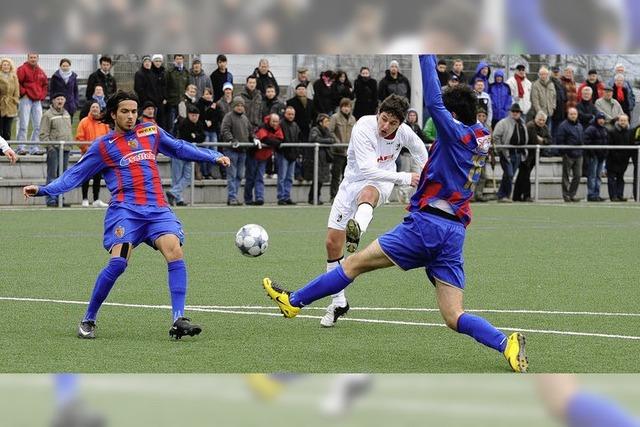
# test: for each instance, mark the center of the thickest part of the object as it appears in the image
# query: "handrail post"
(60, 169)
(537, 179)
(193, 182)
(638, 176)
(316, 158)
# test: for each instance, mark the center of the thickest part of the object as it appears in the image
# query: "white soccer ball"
(252, 240)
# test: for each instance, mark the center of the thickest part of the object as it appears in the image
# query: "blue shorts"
(430, 241)
(137, 224)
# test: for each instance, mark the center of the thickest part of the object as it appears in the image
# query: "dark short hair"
(396, 105)
(442, 62)
(178, 54)
(462, 101)
(251, 77)
(105, 59)
(364, 68)
(220, 58)
(299, 85)
(269, 86)
(63, 60)
(114, 101)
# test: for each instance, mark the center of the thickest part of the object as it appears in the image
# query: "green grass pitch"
(545, 260)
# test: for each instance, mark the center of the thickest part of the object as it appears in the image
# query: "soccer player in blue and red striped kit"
(432, 235)
(138, 211)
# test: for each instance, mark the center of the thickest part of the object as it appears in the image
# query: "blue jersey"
(128, 164)
(457, 156)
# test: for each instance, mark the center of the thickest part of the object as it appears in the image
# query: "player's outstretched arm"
(442, 118)
(179, 149)
(88, 165)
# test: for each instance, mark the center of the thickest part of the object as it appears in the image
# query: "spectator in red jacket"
(595, 84)
(271, 136)
(33, 89)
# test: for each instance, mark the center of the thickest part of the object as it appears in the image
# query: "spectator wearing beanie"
(189, 130)
(596, 85)
(56, 126)
(236, 128)
(305, 111)
(199, 78)
(303, 77)
(394, 82)
(148, 112)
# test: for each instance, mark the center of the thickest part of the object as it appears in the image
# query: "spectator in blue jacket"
(500, 94)
(65, 81)
(596, 134)
(571, 133)
(483, 71)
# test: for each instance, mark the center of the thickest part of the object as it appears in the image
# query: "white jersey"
(370, 157)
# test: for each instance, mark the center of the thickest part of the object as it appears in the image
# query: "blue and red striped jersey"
(456, 158)
(128, 164)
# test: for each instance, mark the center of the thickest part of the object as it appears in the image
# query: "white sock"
(364, 215)
(339, 299)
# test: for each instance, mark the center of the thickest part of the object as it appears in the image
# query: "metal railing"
(317, 146)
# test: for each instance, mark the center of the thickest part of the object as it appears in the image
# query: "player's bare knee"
(335, 245)
(370, 195)
(173, 253)
(451, 318)
(353, 266)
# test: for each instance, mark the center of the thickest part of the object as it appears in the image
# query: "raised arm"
(442, 118)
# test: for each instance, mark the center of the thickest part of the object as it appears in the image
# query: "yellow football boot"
(281, 297)
(515, 353)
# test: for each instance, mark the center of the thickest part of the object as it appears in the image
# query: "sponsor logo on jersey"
(397, 146)
(150, 130)
(484, 143)
(119, 232)
(137, 156)
(339, 218)
(386, 158)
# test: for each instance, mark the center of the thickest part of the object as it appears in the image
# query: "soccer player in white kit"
(369, 178)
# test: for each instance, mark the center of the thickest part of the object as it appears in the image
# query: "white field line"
(350, 319)
(434, 310)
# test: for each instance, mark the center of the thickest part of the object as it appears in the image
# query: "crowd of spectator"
(198, 107)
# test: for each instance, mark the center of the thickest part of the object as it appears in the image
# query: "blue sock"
(588, 410)
(104, 283)
(482, 331)
(66, 386)
(324, 285)
(177, 286)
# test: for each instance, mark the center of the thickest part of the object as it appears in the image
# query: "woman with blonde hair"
(9, 96)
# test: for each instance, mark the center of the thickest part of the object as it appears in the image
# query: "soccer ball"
(252, 240)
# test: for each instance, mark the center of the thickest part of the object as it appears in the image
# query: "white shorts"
(345, 203)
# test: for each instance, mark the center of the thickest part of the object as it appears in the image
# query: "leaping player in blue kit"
(138, 211)
(432, 234)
